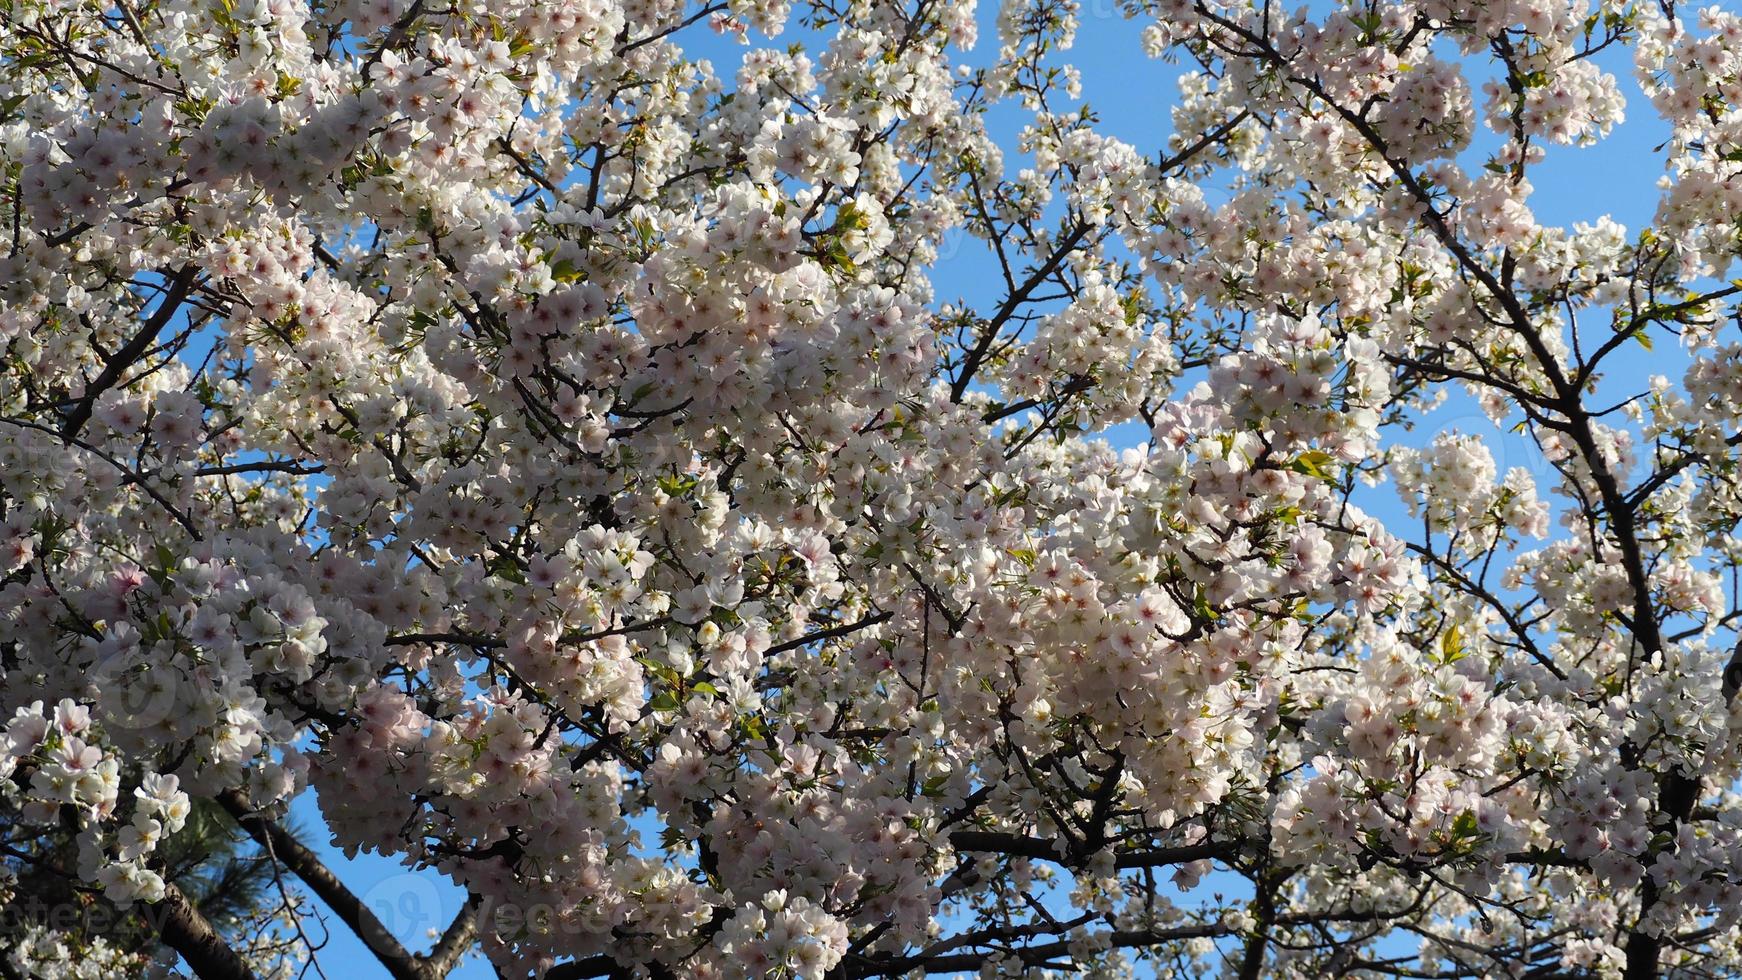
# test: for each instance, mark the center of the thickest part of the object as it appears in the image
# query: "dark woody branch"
(401, 963)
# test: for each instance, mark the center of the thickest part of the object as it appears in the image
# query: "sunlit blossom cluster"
(563, 437)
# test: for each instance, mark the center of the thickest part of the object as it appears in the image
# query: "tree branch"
(179, 286)
(307, 866)
(183, 929)
(1044, 849)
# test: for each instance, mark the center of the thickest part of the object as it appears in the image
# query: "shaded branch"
(179, 286)
(182, 928)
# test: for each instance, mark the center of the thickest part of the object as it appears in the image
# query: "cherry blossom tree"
(557, 445)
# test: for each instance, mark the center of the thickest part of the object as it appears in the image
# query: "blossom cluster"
(552, 433)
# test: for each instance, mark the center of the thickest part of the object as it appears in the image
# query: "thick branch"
(179, 286)
(1043, 849)
(582, 969)
(995, 326)
(459, 937)
(183, 929)
(306, 865)
(845, 629)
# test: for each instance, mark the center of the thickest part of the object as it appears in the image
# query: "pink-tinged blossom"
(575, 458)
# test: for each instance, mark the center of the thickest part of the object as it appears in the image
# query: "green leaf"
(664, 702)
(835, 257)
(563, 270)
(1201, 606)
(752, 726)
(1451, 644)
(1313, 463)
(504, 566)
(677, 486)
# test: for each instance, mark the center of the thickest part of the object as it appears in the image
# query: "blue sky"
(1133, 96)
